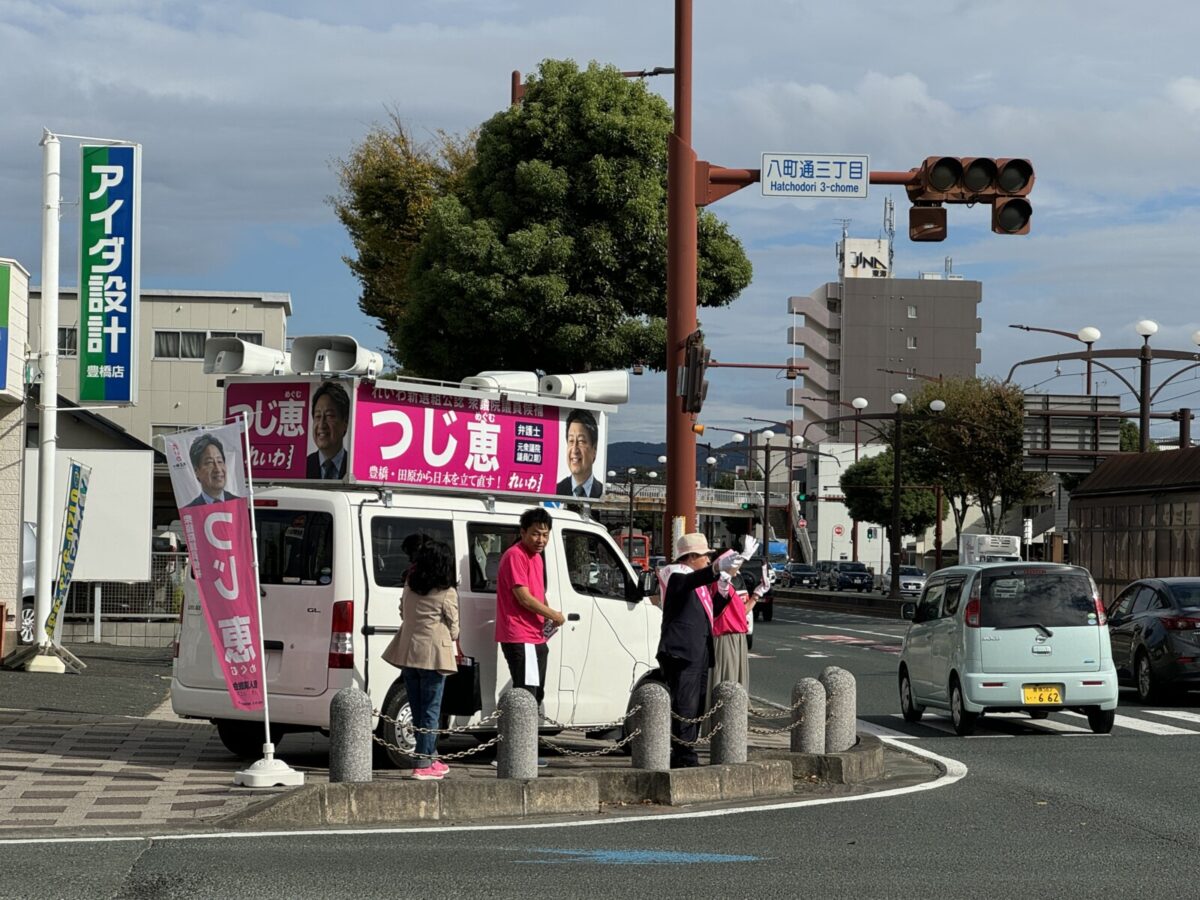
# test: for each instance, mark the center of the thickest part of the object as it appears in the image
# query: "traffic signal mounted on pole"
(692, 385)
(1003, 183)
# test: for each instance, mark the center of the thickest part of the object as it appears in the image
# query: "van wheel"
(1148, 690)
(909, 708)
(962, 718)
(26, 624)
(245, 739)
(1101, 720)
(768, 612)
(400, 731)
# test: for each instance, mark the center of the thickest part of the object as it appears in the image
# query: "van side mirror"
(646, 583)
(908, 611)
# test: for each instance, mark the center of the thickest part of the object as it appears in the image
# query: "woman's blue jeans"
(424, 688)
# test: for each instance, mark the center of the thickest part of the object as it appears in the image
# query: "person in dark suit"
(685, 648)
(583, 441)
(208, 462)
(330, 420)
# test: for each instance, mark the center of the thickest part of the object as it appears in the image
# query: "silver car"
(1008, 637)
(912, 581)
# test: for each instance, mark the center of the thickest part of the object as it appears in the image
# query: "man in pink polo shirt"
(521, 610)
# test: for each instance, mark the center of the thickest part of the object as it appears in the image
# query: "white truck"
(984, 548)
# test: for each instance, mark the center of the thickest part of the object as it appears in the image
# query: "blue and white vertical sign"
(109, 264)
(815, 175)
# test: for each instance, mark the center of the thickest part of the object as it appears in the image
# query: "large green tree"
(388, 186)
(867, 487)
(546, 249)
(974, 448)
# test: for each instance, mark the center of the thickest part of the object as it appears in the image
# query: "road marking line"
(1141, 725)
(1175, 714)
(882, 731)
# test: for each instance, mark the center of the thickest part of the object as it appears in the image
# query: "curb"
(862, 762)
(390, 802)
(871, 604)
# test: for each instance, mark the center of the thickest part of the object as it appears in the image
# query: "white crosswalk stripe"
(1145, 726)
(1061, 723)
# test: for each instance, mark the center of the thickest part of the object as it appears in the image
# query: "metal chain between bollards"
(685, 719)
(608, 726)
(784, 730)
(761, 713)
(460, 730)
(559, 748)
(461, 754)
(698, 741)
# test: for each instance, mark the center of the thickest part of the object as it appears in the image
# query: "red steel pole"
(681, 279)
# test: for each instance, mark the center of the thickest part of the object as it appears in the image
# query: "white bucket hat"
(691, 543)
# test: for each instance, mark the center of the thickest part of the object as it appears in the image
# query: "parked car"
(801, 575)
(912, 581)
(656, 562)
(1154, 625)
(850, 576)
(1008, 637)
(751, 575)
(824, 568)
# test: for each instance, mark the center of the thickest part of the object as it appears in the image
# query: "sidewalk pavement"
(102, 752)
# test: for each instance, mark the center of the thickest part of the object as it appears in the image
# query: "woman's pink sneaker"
(440, 767)
(428, 773)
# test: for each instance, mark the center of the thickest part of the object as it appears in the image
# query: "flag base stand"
(269, 772)
(49, 658)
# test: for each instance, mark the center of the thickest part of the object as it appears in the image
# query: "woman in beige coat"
(424, 648)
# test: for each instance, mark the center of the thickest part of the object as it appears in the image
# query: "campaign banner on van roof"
(396, 434)
(110, 232)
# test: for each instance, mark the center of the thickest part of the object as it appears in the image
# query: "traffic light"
(870, 534)
(693, 386)
(802, 497)
(1003, 183)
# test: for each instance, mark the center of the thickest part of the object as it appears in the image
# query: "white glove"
(729, 563)
(759, 591)
(749, 545)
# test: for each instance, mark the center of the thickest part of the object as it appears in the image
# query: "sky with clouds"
(243, 107)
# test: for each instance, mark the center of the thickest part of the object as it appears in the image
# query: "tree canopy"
(974, 448)
(867, 487)
(539, 245)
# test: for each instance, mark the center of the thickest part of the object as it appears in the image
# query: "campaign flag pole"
(268, 771)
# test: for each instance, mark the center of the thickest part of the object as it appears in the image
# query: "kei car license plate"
(1042, 694)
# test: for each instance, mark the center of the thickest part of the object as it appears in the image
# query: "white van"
(332, 567)
(1008, 637)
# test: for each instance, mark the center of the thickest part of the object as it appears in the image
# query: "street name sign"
(814, 175)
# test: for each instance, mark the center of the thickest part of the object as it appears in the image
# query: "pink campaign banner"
(218, 537)
(405, 437)
(208, 477)
(279, 442)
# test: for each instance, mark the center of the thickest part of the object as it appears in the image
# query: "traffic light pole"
(691, 183)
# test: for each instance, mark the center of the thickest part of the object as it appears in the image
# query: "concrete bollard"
(842, 709)
(808, 708)
(652, 747)
(350, 736)
(518, 751)
(728, 743)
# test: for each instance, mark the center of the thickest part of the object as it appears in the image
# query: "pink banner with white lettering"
(279, 416)
(406, 437)
(208, 477)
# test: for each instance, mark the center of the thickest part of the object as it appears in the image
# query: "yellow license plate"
(1042, 694)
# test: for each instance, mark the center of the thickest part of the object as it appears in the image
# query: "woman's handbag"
(461, 695)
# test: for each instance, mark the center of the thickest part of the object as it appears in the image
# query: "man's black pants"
(514, 655)
(687, 683)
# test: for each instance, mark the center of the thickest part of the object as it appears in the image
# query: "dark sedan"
(800, 575)
(1154, 625)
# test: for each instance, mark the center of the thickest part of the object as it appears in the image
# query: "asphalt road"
(1045, 809)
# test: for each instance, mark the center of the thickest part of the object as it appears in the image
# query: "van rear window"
(294, 547)
(1016, 597)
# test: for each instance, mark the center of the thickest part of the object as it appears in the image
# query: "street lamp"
(631, 473)
(1086, 335)
(900, 400)
(1143, 395)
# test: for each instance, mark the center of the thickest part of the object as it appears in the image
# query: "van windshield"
(1012, 598)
